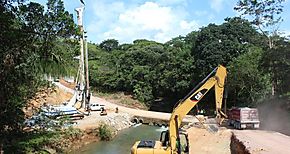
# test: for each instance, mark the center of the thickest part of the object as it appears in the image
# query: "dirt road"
(136, 112)
(143, 113)
(264, 142)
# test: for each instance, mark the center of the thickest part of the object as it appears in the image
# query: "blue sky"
(158, 20)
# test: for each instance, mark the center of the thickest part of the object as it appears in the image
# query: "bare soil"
(53, 96)
(263, 142)
(204, 142)
(120, 98)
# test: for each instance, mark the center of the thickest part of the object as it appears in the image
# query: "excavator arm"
(215, 79)
(193, 98)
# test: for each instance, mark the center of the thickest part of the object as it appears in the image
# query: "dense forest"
(150, 70)
(36, 41)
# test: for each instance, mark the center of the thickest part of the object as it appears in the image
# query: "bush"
(40, 141)
(73, 133)
(34, 142)
(105, 132)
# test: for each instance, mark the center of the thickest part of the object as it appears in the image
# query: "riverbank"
(82, 134)
(117, 121)
(87, 128)
(90, 126)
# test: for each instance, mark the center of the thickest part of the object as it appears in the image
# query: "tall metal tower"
(83, 89)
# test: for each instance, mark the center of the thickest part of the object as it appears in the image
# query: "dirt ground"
(264, 142)
(52, 96)
(203, 141)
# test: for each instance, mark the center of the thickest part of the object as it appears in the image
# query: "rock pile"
(118, 121)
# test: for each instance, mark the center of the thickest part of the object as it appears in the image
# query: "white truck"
(97, 107)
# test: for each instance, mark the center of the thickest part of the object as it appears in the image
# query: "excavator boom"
(215, 79)
(194, 97)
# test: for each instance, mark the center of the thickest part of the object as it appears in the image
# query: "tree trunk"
(274, 83)
(273, 89)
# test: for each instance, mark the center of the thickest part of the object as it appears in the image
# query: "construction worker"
(103, 112)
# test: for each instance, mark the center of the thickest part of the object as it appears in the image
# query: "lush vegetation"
(34, 42)
(57, 141)
(150, 70)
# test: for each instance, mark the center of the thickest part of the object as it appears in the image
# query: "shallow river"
(123, 142)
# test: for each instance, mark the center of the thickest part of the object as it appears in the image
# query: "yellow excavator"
(174, 140)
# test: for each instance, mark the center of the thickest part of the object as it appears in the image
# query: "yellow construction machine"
(174, 140)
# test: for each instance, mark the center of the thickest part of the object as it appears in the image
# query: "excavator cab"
(182, 144)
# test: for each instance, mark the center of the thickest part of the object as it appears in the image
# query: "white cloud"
(150, 21)
(102, 15)
(149, 16)
(217, 5)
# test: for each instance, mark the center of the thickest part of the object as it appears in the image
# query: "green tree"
(264, 14)
(59, 25)
(16, 69)
(50, 27)
(131, 68)
(276, 61)
(109, 45)
(221, 44)
(137, 67)
(29, 36)
(247, 83)
(176, 77)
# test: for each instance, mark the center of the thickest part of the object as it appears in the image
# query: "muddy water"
(123, 142)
